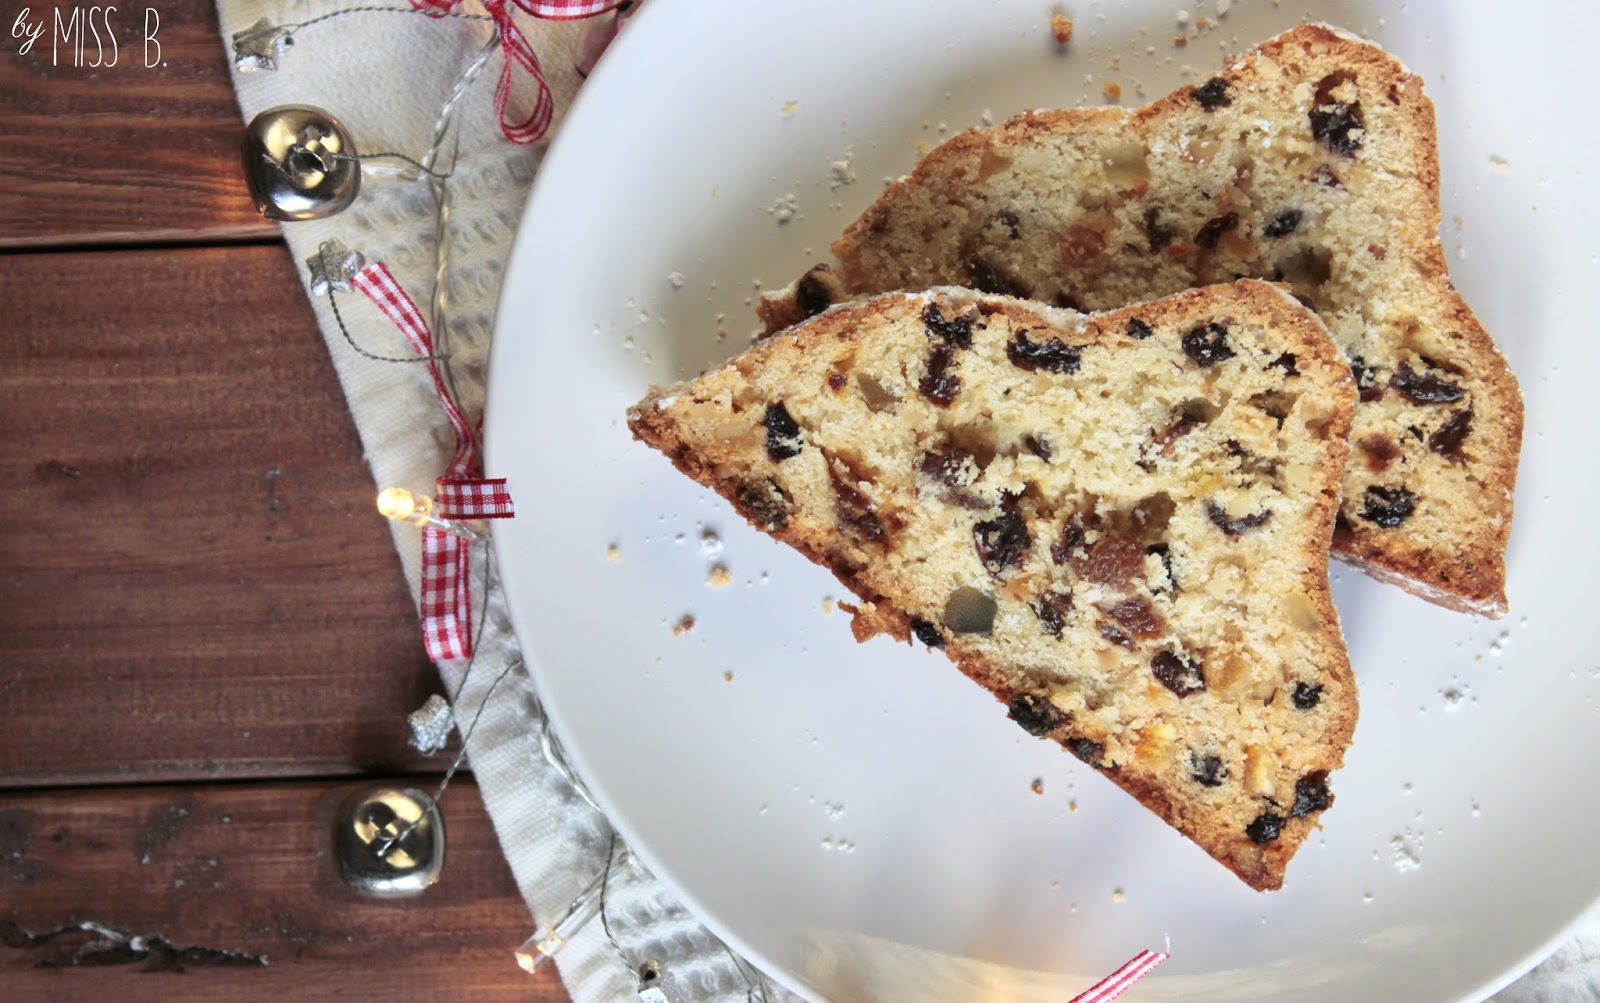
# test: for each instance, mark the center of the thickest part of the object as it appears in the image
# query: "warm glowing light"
(407, 506)
(402, 505)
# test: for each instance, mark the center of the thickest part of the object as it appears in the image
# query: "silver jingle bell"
(389, 841)
(300, 163)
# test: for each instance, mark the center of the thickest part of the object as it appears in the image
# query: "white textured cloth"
(386, 76)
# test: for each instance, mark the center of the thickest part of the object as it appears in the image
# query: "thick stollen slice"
(1117, 524)
(1311, 160)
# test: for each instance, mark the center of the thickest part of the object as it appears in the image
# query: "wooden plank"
(122, 152)
(193, 579)
(235, 894)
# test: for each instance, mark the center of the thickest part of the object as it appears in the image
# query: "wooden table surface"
(205, 637)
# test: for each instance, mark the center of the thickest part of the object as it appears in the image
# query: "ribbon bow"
(463, 491)
(519, 54)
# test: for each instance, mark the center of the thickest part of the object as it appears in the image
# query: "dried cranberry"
(948, 466)
(1380, 451)
(1038, 445)
(927, 633)
(1162, 442)
(1052, 355)
(1213, 94)
(1285, 362)
(1447, 440)
(1003, 541)
(1206, 770)
(1211, 232)
(783, 435)
(837, 381)
(1420, 388)
(1164, 552)
(764, 505)
(1207, 344)
(812, 293)
(1052, 610)
(1366, 380)
(1305, 695)
(1283, 224)
(940, 385)
(1136, 616)
(1088, 750)
(1071, 539)
(1138, 329)
(957, 330)
(1177, 675)
(1267, 827)
(1310, 794)
(1157, 233)
(1114, 634)
(1387, 507)
(1115, 559)
(1232, 526)
(854, 511)
(1337, 125)
(987, 278)
(1009, 220)
(1325, 177)
(1036, 714)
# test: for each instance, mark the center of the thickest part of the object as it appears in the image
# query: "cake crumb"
(785, 208)
(683, 626)
(614, 554)
(719, 578)
(828, 605)
(986, 117)
(1116, 895)
(1179, 41)
(1061, 28)
(1038, 785)
(1112, 91)
(1072, 806)
(789, 108)
(1499, 164)
(727, 677)
(1202, 23)
(675, 279)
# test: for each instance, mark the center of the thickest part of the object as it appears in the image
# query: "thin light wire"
(383, 10)
(605, 919)
(338, 318)
(390, 156)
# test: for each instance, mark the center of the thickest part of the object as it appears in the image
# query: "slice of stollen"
(1118, 524)
(1311, 160)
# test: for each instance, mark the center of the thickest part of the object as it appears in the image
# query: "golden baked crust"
(1118, 524)
(1311, 160)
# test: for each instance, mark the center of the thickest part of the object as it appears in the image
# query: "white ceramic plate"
(859, 818)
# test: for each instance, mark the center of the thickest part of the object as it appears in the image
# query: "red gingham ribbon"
(463, 493)
(1119, 981)
(519, 55)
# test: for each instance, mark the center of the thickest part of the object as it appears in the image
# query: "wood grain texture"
(236, 894)
(193, 580)
(122, 152)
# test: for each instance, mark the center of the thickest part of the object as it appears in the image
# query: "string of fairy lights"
(302, 164)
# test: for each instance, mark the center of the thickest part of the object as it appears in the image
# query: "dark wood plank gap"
(194, 582)
(235, 895)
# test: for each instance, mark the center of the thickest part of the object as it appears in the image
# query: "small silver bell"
(389, 841)
(300, 163)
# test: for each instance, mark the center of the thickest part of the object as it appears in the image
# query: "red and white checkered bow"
(519, 54)
(463, 492)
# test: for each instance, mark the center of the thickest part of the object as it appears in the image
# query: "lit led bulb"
(549, 939)
(406, 506)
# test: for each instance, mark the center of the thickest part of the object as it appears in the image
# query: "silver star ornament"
(259, 46)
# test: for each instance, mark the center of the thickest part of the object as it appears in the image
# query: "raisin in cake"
(1118, 524)
(1310, 161)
